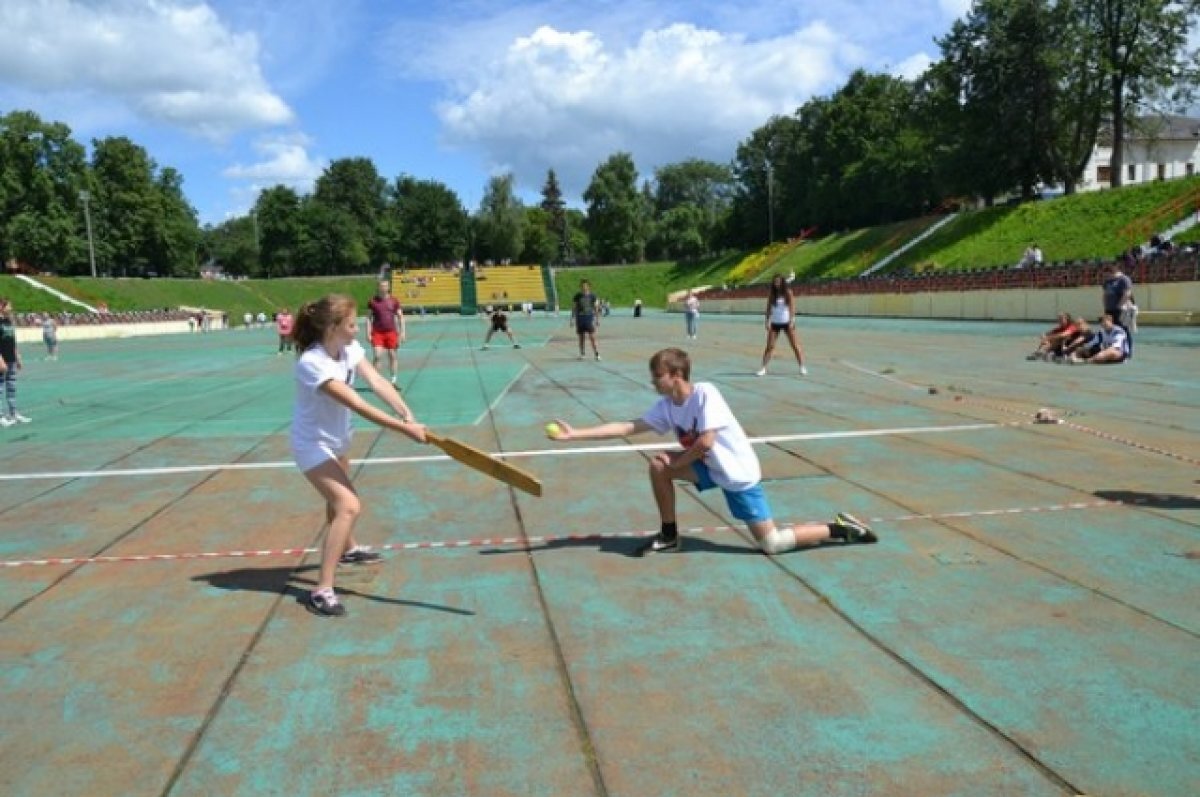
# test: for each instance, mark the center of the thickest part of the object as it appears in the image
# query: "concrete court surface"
(1027, 624)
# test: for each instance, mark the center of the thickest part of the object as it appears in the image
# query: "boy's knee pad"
(778, 541)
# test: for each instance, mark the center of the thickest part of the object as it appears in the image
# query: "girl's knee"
(349, 507)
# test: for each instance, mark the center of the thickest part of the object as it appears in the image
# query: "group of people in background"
(1073, 341)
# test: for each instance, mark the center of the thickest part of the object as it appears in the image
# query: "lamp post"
(84, 196)
(770, 203)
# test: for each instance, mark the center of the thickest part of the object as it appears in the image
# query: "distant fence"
(1176, 267)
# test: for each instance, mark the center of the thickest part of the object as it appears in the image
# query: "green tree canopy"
(501, 222)
(615, 213)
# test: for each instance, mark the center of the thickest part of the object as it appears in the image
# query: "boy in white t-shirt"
(715, 453)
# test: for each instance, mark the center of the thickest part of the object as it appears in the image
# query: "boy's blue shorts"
(749, 505)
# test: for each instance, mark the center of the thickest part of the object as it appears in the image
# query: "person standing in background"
(50, 336)
(1118, 301)
(583, 316)
(691, 313)
(283, 325)
(10, 364)
(385, 326)
(781, 317)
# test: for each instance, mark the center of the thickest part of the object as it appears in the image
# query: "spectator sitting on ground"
(1062, 330)
(1109, 346)
(1073, 342)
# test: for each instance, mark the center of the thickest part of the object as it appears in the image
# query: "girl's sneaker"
(324, 603)
(360, 556)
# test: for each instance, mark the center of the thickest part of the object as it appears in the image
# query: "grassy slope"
(650, 282)
(235, 298)
(1084, 226)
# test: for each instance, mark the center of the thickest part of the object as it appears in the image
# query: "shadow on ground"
(295, 582)
(1155, 500)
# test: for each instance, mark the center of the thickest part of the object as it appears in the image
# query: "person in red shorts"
(385, 326)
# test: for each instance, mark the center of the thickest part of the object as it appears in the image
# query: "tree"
(42, 170)
(231, 245)
(703, 186)
(432, 222)
(761, 180)
(1145, 58)
(278, 213)
(680, 232)
(556, 217)
(501, 221)
(353, 185)
(330, 242)
(541, 245)
(999, 66)
(615, 221)
(175, 234)
(123, 207)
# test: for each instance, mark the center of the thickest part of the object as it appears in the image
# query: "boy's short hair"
(673, 361)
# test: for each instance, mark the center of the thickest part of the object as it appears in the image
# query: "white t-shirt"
(318, 420)
(692, 304)
(780, 314)
(731, 461)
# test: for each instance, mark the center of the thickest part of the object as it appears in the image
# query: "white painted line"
(539, 452)
(503, 393)
(880, 375)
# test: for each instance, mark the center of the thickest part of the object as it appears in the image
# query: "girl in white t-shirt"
(781, 317)
(329, 359)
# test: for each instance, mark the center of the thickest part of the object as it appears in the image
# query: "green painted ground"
(1022, 627)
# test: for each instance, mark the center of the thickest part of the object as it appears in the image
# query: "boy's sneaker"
(581, 355)
(6, 421)
(19, 418)
(324, 603)
(484, 347)
(803, 371)
(597, 356)
(660, 544)
(360, 556)
(856, 530)
(761, 372)
(516, 345)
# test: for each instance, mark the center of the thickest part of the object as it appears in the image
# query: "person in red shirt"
(1053, 338)
(283, 325)
(385, 326)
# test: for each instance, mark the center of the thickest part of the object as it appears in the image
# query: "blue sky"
(239, 96)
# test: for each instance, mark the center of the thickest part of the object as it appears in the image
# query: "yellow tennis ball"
(553, 430)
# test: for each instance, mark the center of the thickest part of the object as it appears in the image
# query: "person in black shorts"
(583, 316)
(499, 324)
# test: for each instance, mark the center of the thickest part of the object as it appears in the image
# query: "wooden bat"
(485, 463)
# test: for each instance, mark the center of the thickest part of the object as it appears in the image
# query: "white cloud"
(913, 67)
(567, 100)
(285, 160)
(955, 8)
(166, 61)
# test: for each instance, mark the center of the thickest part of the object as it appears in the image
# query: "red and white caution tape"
(524, 542)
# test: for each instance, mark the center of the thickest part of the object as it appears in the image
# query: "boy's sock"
(838, 532)
(669, 531)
